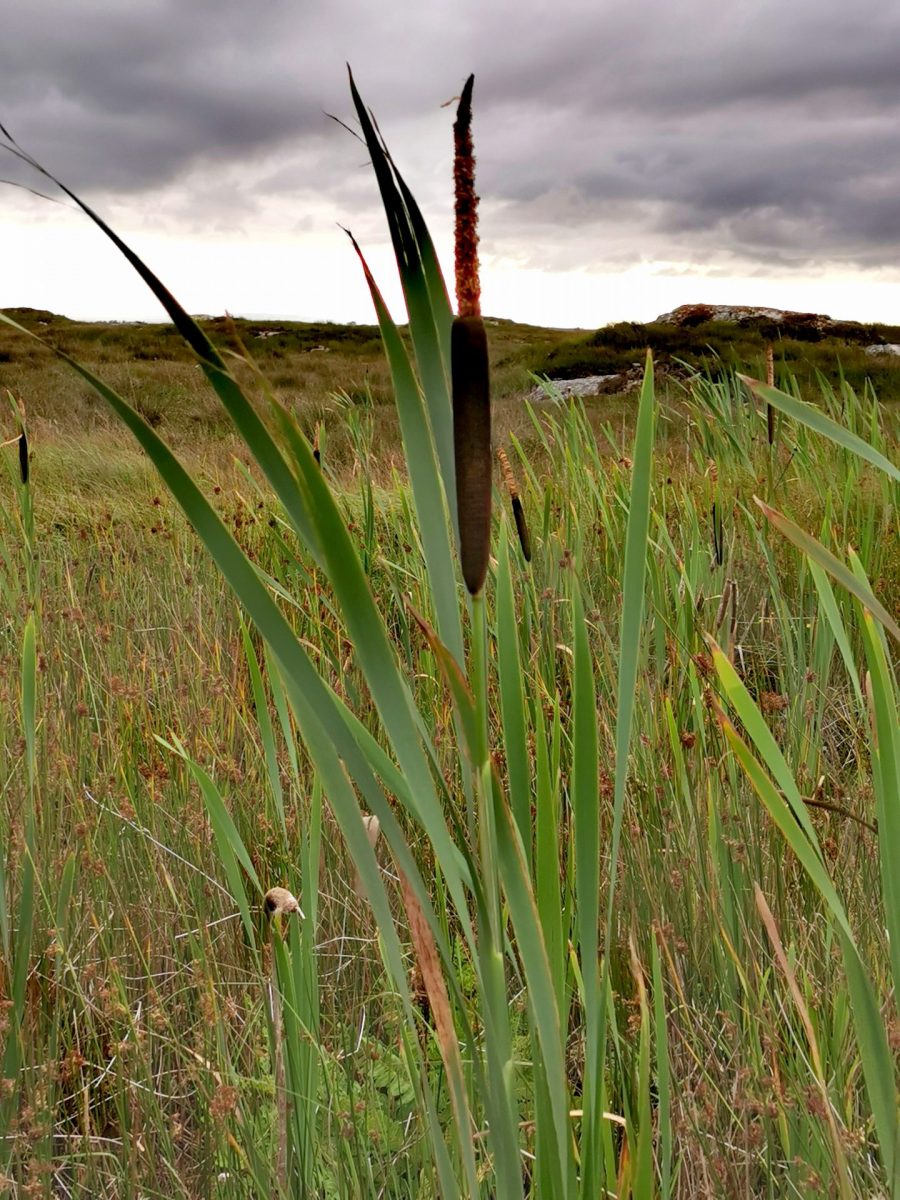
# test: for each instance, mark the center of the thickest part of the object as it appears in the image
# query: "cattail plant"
(516, 502)
(469, 365)
(770, 382)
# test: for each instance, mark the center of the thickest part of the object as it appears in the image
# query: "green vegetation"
(632, 924)
(802, 353)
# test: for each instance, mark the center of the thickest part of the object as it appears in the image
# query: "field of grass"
(631, 928)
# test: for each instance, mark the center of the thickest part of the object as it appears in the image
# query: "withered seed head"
(472, 446)
(280, 901)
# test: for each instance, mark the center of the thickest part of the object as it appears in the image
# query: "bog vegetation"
(587, 882)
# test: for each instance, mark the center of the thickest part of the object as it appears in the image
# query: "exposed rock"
(565, 389)
(742, 314)
(891, 349)
(554, 390)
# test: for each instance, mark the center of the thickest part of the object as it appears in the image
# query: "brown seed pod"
(23, 456)
(518, 510)
(279, 901)
(472, 446)
(522, 528)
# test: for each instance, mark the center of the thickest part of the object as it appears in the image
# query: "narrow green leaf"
(825, 559)
(813, 418)
(512, 701)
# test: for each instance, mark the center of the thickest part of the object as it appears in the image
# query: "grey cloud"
(693, 132)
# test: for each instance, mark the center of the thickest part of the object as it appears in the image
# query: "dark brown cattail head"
(472, 446)
(717, 536)
(317, 453)
(23, 456)
(516, 501)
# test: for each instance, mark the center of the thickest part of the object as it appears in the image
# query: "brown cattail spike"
(518, 510)
(522, 528)
(472, 446)
(468, 288)
(23, 456)
(770, 380)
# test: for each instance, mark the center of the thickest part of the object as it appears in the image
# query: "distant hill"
(303, 358)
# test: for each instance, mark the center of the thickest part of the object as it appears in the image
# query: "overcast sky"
(632, 156)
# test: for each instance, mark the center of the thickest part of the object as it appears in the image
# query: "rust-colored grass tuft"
(468, 287)
(431, 976)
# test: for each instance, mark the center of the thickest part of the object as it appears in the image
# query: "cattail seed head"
(516, 501)
(472, 446)
(522, 528)
(23, 456)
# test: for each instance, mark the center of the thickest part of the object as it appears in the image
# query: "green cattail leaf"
(472, 447)
(815, 419)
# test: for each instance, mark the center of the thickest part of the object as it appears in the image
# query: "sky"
(631, 156)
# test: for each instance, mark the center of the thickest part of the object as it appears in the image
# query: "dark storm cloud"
(689, 132)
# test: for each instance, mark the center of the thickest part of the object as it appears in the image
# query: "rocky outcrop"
(744, 314)
(891, 349)
(554, 390)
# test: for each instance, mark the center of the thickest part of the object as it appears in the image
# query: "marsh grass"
(665, 973)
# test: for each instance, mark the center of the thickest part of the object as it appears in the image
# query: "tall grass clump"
(445, 860)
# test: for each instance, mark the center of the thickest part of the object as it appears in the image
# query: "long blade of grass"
(424, 293)
(429, 497)
(512, 701)
(813, 418)
(828, 562)
(232, 851)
